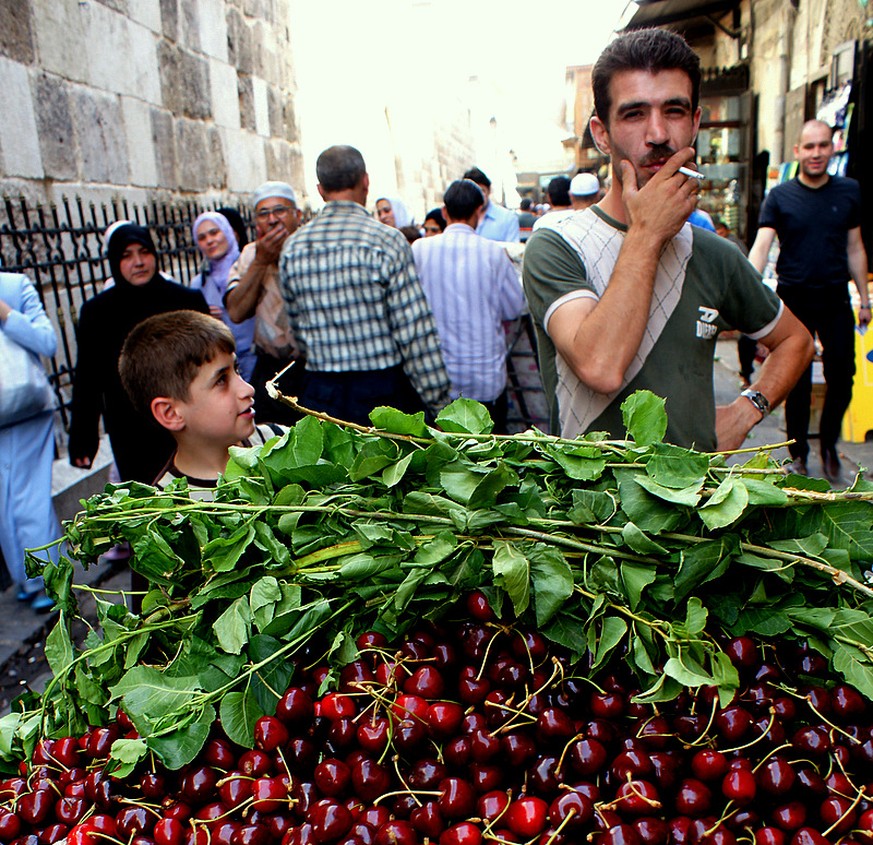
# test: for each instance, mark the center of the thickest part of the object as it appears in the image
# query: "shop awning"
(682, 12)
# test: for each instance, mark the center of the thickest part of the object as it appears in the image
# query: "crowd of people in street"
(362, 307)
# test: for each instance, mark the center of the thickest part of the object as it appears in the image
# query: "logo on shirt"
(706, 328)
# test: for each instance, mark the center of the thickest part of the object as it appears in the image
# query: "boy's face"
(219, 408)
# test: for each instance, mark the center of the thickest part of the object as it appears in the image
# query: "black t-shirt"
(813, 226)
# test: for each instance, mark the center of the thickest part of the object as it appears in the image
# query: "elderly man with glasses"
(253, 289)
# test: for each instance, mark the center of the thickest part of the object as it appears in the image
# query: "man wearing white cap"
(584, 190)
(253, 289)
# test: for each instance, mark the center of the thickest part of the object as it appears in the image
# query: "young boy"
(181, 368)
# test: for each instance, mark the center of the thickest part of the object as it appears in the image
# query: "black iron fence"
(60, 248)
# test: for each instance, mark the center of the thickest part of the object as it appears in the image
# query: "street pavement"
(22, 632)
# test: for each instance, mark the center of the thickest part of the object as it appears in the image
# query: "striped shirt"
(472, 288)
(355, 301)
(203, 489)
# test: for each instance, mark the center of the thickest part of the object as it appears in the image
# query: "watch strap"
(758, 399)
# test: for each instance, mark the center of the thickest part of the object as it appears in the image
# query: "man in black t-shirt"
(818, 220)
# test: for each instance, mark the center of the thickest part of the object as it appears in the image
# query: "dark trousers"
(268, 409)
(499, 409)
(746, 350)
(350, 396)
(827, 314)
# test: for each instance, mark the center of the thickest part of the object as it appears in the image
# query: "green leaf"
(234, 627)
(725, 505)
(636, 577)
(390, 419)
(149, 695)
(59, 647)
(612, 632)
(512, 572)
(688, 496)
(579, 463)
(460, 480)
(303, 447)
(238, 712)
(274, 676)
(703, 562)
(695, 619)
(592, 507)
(465, 416)
(639, 542)
(393, 475)
(181, 746)
(644, 417)
(641, 507)
(124, 756)
(374, 456)
(764, 493)
(856, 667)
(491, 486)
(552, 581)
(687, 673)
(223, 553)
(569, 632)
(672, 466)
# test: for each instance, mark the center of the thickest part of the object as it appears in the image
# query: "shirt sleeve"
(512, 232)
(511, 293)
(414, 330)
(769, 214)
(552, 270)
(749, 305)
(30, 326)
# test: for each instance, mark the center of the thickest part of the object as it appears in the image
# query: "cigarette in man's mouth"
(692, 174)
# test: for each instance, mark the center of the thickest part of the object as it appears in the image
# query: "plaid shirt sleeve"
(414, 330)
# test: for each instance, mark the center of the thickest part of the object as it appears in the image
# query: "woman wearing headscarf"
(27, 444)
(141, 448)
(217, 243)
(393, 212)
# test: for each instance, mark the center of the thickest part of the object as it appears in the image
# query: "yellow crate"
(858, 421)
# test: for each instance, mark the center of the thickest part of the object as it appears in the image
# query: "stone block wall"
(147, 99)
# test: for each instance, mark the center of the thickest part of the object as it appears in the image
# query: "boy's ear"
(167, 414)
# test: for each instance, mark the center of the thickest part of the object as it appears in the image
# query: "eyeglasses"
(276, 210)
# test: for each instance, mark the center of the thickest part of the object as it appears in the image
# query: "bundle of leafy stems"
(617, 550)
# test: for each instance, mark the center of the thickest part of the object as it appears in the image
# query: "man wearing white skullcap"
(253, 289)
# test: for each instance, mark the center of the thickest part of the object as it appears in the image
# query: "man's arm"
(242, 299)
(857, 256)
(790, 352)
(599, 338)
(761, 248)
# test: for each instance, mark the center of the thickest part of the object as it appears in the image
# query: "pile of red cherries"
(482, 732)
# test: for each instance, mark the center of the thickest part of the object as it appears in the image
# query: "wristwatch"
(759, 400)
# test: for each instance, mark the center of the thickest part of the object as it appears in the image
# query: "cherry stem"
(848, 810)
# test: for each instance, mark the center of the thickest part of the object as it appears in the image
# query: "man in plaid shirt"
(356, 304)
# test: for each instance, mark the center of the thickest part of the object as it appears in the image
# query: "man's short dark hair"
(652, 50)
(163, 354)
(463, 198)
(559, 191)
(340, 167)
(526, 204)
(474, 174)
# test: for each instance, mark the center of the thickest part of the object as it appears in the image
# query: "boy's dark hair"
(651, 50)
(559, 191)
(162, 355)
(340, 168)
(462, 199)
(474, 174)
